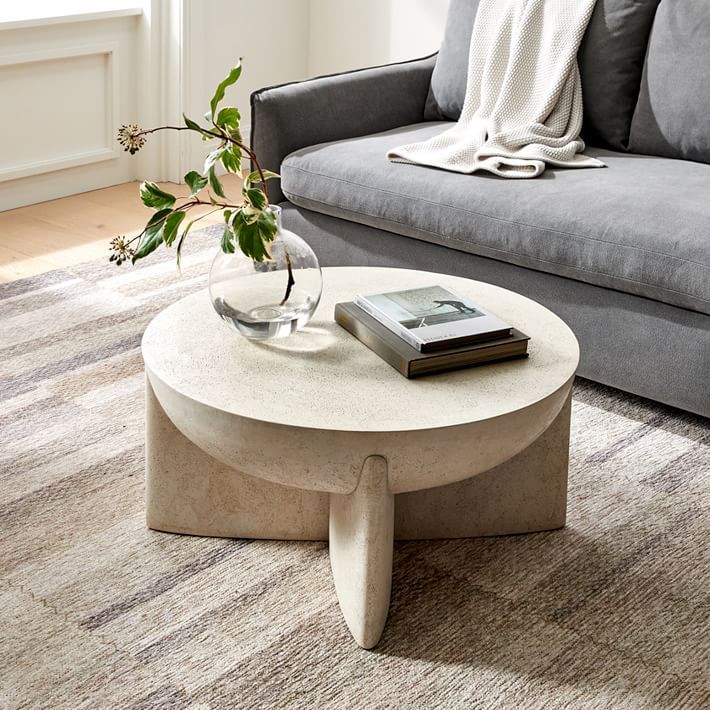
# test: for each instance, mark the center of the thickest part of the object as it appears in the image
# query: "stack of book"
(431, 329)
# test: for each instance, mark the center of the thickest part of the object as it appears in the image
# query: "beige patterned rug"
(99, 612)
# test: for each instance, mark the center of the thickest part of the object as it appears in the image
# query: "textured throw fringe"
(523, 105)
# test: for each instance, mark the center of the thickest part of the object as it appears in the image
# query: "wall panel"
(53, 135)
(64, 90)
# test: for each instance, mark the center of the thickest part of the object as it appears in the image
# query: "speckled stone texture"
(334, 423)
(527, 493)
(360, 538)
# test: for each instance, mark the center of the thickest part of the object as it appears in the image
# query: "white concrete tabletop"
(323, 378)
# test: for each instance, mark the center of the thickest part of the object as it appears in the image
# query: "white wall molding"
(109, 51)
(65, 89)
(165, 57)
(174, 57)
(21, 16)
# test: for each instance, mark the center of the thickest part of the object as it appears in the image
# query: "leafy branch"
(249, 225)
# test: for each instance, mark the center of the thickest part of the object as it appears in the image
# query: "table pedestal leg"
(361, 541)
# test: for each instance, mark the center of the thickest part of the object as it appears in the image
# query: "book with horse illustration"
(433, 317)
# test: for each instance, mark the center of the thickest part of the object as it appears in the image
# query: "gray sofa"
(622, 253)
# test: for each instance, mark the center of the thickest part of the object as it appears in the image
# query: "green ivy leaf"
(147, 246)
(157, 220)
(255, 177)
(195, 181)
(250, 242)
(234, 75)
(228, 118)
(153, 196)
(269, 225)
(256, 197)
(212, 158)
(215, 184)
(153, 235)
(170, 229)
(228, 240)
(181, 239)
(254, 237)
(192, 125)
(236, 135)
(232, 160)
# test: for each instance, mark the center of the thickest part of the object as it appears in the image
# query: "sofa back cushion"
(672, 117)
(611, 63)
(448, 80)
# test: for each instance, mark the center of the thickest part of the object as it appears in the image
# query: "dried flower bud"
(131, 138)
(120, 250)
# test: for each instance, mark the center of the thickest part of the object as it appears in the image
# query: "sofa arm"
(329, 108)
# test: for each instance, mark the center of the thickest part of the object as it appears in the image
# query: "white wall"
(271, 38)
(347, 35)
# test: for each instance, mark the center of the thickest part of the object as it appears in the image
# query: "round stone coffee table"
(314, 437)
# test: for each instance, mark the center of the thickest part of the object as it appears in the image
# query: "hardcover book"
(413, 363)
(433, 317)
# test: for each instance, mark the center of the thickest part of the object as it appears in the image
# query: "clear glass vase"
(259, 299)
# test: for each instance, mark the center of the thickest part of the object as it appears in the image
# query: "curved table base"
(189, 492)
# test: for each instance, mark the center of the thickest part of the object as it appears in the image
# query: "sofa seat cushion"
(641, 225)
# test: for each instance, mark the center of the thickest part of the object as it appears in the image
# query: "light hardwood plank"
(15, 266)
(75, 229)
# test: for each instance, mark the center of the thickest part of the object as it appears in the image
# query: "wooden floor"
(71, 230)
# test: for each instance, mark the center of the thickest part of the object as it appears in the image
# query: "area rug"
(98, 612)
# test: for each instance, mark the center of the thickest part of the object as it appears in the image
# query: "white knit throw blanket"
(523, 105)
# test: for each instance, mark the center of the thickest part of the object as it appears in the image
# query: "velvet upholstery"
(612, 227)
(673, 113)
